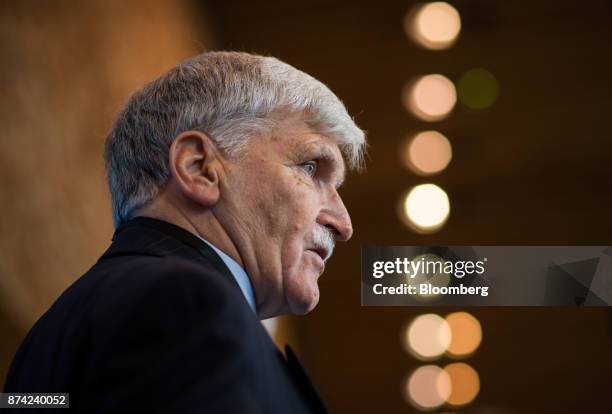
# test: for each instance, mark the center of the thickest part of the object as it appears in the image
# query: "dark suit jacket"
(159, 324)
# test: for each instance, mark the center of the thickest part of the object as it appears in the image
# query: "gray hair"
(230, 96)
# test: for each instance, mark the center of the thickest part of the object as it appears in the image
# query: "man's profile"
(224, 176)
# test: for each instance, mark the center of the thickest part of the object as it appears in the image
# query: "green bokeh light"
(477, 89)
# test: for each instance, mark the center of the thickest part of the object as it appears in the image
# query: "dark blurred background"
(531, 165)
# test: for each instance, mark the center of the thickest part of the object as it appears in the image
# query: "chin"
(303, 307)
(301, 288)
(304, 298)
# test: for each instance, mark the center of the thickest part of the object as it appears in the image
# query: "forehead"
(294, 140)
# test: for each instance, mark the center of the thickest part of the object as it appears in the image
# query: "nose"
(335, 217)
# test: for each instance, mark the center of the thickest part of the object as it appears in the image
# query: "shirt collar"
(239, 274)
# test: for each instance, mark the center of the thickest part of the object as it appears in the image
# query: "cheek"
(293, 211)
(300, 268)
(264, 208)
(292, 255)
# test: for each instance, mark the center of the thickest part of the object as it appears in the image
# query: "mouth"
(321, 252)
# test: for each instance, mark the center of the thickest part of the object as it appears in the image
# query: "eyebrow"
(322, 151)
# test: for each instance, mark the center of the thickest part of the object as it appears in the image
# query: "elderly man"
(224, 176)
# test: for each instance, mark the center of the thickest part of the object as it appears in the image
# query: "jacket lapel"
(299, 374)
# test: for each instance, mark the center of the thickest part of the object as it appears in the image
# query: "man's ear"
(194, 165)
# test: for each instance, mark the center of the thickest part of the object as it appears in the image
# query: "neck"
(203, 224)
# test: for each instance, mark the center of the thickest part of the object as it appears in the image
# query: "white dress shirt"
(239, 274)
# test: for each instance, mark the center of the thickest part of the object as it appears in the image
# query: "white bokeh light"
(425, 208)
(427, 337)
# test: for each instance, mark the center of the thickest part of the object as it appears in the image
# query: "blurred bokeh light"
(427, 337)
(430, 97)
(477, 88)
(425, 208)
(465, 384)
(426, 153)
(433, 25)
(466, 334)
(428, 387)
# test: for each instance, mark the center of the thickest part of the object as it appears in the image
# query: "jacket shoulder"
(158, 325)
(160, 282)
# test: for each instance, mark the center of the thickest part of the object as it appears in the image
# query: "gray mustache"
(322, 238)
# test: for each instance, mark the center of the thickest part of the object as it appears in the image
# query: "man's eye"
(310, 167)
